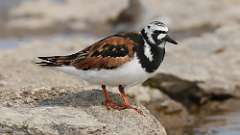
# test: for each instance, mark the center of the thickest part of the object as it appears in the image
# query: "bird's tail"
(56, 60)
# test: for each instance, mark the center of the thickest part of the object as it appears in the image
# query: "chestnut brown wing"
(108, 53)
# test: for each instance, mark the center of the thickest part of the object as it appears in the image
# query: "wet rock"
(183, 91)
(39, 100)
(186, 92)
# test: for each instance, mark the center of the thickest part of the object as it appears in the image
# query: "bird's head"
(156, 33)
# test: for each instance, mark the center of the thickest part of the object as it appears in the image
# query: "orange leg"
(126, 104)
(108, 102)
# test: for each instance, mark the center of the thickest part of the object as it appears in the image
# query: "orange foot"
(123, 107)
(126, 104)
(110, 104)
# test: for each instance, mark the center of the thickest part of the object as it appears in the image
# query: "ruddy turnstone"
(121, 60)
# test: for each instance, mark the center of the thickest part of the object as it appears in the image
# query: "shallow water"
(220, 124)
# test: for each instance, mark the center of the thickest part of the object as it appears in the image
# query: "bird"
(120, 60)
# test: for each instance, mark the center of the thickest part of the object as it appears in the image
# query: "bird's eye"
(160, 32)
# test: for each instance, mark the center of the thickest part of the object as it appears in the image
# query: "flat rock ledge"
(57, 120)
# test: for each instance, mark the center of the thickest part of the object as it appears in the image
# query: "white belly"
(128, 74)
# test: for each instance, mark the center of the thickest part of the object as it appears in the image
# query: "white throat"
(162, 45)
(147, 51)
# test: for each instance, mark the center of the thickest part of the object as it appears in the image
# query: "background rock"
(210, 59)
(67, 15)
(187, 92)
(188, 14)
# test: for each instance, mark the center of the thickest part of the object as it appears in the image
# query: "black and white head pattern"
(155, 32)
(151, 54)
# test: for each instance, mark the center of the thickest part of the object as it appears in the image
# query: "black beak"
(170, 40)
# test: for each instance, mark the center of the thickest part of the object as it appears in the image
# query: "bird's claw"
(110, 104)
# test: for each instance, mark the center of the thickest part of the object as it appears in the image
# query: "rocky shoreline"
(199, 77)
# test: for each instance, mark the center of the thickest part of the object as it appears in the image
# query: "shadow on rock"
(84, 98)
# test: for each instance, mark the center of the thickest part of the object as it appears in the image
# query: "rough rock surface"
(57, 120)
(37, 100)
